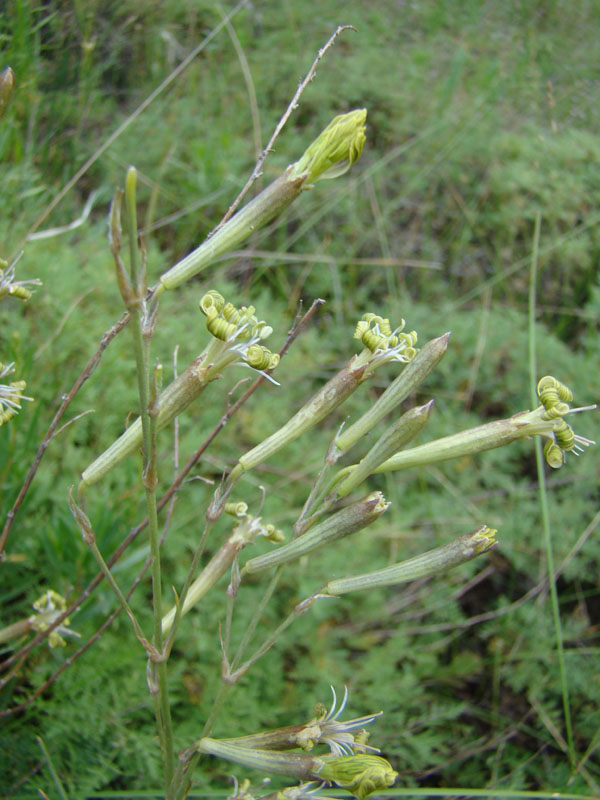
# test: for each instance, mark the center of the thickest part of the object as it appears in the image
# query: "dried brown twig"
(51, 432)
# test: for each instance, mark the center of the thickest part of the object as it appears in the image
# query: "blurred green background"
(480, 116)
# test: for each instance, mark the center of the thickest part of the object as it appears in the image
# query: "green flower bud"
(554, 455)
(7, 87)
(333, 152)
(238, 509)
(361, 774)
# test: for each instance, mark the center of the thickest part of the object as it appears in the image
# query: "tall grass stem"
(544, 499)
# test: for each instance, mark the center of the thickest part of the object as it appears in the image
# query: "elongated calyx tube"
(331, 154)
(296, 765)
(396, 436)
(381, 345)
(432, 562)
(360, 774)
(237, 335)
(216, 567)
(344, 522)
(245, 532)
(172, 401)
(326, 400)
(547, 420)
(411, 377)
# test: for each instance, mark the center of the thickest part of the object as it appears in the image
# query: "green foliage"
(480, 115)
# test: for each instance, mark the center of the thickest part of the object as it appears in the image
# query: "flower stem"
(142, 332)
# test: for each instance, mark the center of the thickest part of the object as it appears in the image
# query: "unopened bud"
(360, 774)
(335, 150)
(332, 154)
(7, 87)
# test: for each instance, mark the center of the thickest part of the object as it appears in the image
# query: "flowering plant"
(339, 504)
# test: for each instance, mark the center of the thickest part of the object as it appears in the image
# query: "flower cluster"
(9, 287)
(555, 398)
(347, 765)
(237, 337)
(327, 728)
(382, 343)
(230, 325)
(11, 394)
(376, 333)
(49, 607)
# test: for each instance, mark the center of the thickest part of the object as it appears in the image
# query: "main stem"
(141, 347)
